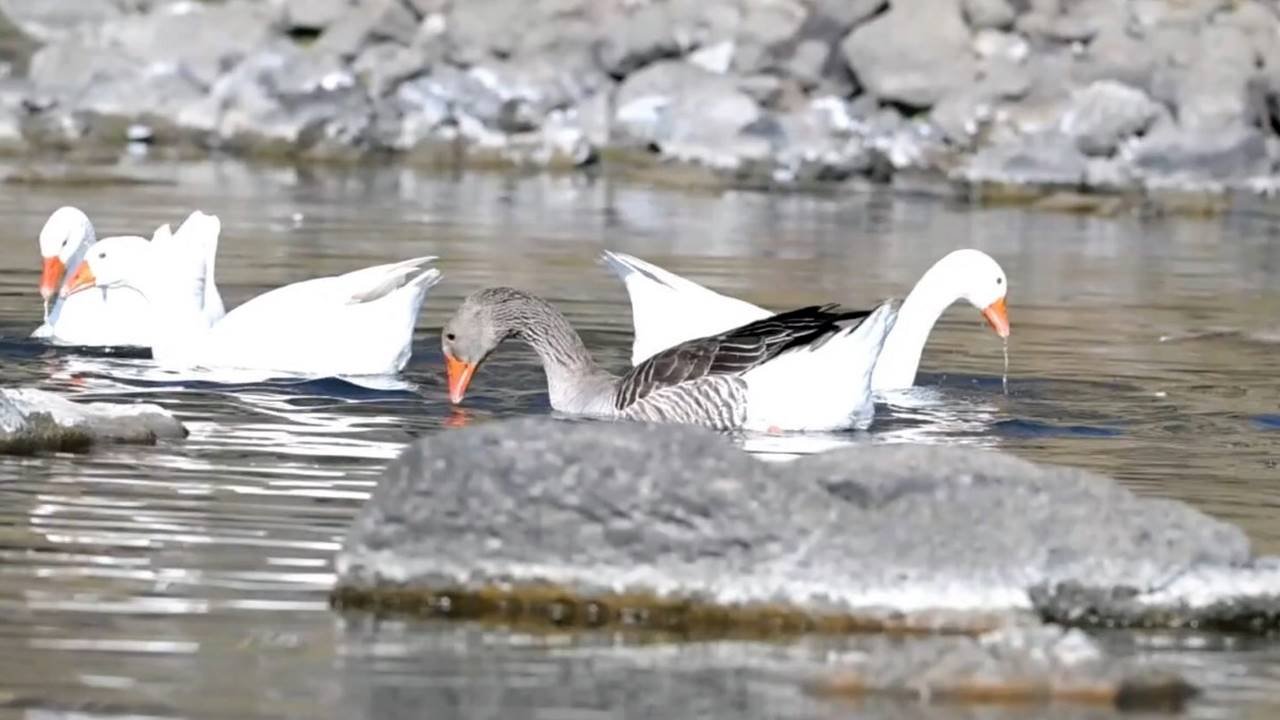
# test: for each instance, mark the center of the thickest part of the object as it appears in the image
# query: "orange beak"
(997, 316)
(51, 277)
(459, 377)
(81, 280)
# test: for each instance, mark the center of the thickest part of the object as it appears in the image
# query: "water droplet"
(1004, 378)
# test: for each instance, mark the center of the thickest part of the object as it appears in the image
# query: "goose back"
(731, 354)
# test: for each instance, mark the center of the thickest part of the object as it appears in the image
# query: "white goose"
(113, 316)
(360, 323)
(668, 309)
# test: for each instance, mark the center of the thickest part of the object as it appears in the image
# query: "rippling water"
(189, 579)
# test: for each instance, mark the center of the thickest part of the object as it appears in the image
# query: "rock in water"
(35, 420)
(598, 521)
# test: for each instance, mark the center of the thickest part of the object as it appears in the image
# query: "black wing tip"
(831, 312)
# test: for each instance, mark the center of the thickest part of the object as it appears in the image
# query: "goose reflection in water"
(921, 414)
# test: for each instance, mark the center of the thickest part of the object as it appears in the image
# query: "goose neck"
(900, 358)
(572, 373)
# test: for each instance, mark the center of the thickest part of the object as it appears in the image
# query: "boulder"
(314, 15)
(1104, 113)
(48, 21)
(285, 102)
(817, 143)
(1048, 158)
(764, 29)
(68, 67)
(371, 21)
(993, 14)
(844, 14)
(648, 32)
(688, 113)
(637, 523)
(1155, 13)
(1118, 54)
(937, 61)
(1213, 92)
(36, 420)
(213, 37)
(1191, 158)
(382, 66)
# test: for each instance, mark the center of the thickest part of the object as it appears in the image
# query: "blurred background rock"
(1095, 94)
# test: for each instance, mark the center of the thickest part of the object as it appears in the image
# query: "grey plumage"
(697, 382)
(736, 351)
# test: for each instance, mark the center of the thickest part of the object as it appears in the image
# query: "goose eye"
(102, 256)
(999, 281)
(450, 337)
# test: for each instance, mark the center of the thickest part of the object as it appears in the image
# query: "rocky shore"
(1096, 95)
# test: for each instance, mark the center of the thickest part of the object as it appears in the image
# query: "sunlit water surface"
(189, 579)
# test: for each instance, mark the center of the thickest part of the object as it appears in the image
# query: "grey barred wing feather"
(715, 401)
(732, 353)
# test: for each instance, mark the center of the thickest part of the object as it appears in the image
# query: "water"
(189, 579)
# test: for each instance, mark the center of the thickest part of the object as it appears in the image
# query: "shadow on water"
(189, 578)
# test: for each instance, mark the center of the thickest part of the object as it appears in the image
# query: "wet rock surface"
(593, 523)
(36, 420)
(1155, 94)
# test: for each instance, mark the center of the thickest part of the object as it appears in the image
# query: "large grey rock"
(1104, 113)
(285, 102)
(68, 67)
(384, 65)
(989, 13)
(35, 420)
(1150, 13)
(1179, 157)
(647, 32)
(314, 15)
(1118, 54)
(1213, 92)
(818, 143)
(764, 29)
(688, 113)
(205, 39)
(46, 21)
(844, 14)
(1049, 158)
(370, 21)
(937, 61)
(483, 30)
(610, 511)
(477, 96)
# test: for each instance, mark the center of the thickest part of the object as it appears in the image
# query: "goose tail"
(200, 233)
(667, 309)
(379, 281)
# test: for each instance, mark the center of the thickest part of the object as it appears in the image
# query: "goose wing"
(734, 352)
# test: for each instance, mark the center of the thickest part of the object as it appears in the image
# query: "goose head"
(978, 279)
(65, 237)
(112, 262)
(476, 329)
